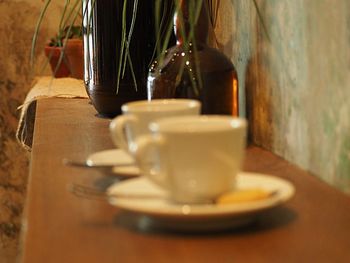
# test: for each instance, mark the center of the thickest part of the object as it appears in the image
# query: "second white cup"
(137, 115)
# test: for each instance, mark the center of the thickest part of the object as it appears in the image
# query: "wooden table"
(60, 227)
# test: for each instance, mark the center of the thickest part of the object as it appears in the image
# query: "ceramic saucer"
(114, 157)
(142, 197)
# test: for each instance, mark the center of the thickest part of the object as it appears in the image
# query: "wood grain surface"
(60, 227)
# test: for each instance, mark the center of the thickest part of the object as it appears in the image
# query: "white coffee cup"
(195, 158)
(138, 115)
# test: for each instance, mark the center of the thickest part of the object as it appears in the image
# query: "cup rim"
(227, 123)
(151, 105)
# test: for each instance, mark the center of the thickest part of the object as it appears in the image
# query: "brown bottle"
(213, 80)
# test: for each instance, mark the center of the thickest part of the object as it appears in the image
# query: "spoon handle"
(95, 166)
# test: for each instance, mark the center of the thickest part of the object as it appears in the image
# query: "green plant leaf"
(127, 44)
(36, 31)
(122, 45)
(62, 58)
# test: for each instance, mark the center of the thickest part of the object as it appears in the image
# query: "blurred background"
(293, 62)
(18, 19)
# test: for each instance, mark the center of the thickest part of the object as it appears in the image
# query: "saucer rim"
(205, 211)
(131, 170)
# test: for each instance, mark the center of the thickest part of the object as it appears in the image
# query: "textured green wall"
(296, 82)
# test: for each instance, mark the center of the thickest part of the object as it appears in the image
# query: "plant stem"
(36, 31)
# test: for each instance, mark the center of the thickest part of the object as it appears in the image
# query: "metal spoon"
(95, 166)
(89, 192)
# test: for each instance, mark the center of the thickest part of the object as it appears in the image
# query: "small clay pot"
(53, 54)
(75, 55)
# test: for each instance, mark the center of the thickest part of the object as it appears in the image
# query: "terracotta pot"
(53, 54)
(75, 55)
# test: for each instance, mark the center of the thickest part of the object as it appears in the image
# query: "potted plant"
(121, 38)
(119, 45)
(65, 53)
(65, 50)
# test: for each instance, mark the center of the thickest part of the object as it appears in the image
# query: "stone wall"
(18, 19)
(295, 79)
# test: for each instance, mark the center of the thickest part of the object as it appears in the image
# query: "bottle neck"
(183, 26)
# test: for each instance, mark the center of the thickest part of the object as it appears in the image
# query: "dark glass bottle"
(102, 28)
(199, 72)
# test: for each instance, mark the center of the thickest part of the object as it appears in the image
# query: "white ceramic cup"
(138, 115)
(195, 158)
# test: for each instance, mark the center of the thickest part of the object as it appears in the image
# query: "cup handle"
(153, 164)
(118, 128)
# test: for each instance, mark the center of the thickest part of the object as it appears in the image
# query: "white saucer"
(152, 202)
(114, 157)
